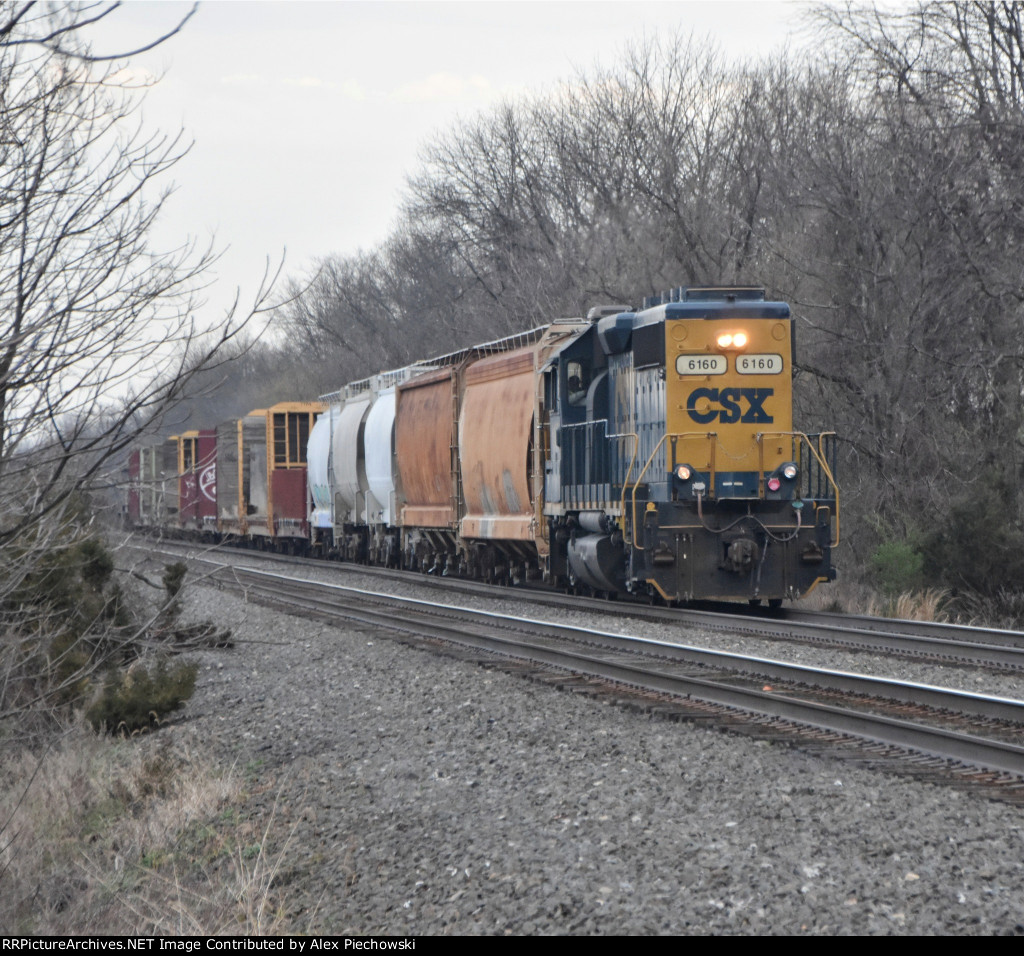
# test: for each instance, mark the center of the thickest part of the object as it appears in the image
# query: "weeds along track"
(954, 734)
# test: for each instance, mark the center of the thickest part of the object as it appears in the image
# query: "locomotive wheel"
(774, 602)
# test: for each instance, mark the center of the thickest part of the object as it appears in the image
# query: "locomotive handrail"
(580, 464)
(820, 458)
(629, 469)
(823, 460)
(636, 485)
(675, 436)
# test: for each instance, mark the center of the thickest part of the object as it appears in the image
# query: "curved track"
(921, 640)
(969, 729)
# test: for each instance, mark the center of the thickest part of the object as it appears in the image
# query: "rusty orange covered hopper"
(424, 440)
(495, 428)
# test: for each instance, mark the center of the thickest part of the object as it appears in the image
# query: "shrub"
(138, 698)
(65, 619)
(897, 567)
(980, 543)
(71, 583)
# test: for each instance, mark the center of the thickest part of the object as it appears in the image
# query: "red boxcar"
(197, 480)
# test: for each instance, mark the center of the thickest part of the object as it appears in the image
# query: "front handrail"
(629, 468)
(675, 436)
(820, 457)
(799, 439)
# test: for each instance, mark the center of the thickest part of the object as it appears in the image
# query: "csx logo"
(700, 406)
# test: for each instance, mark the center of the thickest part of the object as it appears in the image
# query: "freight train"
(649, 452)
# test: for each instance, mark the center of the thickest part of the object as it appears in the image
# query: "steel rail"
(937, 629)
(906, 692)
(987, 647)
(487, 631)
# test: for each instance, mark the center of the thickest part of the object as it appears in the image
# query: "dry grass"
(1004, 608)
(928, 605)
(852, 597)
(845, 596)
(133, 837)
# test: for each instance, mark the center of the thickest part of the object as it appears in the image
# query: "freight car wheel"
(775, 602)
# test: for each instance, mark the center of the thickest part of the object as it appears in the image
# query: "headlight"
(789, 471)
(684, 472)
(732, 340)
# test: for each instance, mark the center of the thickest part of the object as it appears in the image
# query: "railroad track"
(918, 640)
(966, 733)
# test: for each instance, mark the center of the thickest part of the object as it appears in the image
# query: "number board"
(702, 364)
(759, 364)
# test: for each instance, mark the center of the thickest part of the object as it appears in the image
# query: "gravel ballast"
(415, 793)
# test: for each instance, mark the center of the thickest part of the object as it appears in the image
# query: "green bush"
(896, 567)
(64, 615)
(73, 628)
(138, 698)
(73, 583)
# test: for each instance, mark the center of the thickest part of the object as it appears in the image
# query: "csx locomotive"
(645, 451)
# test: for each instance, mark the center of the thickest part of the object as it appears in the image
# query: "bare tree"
(98, 334)
(97, 327)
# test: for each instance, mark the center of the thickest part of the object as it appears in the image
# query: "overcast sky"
(306, 117)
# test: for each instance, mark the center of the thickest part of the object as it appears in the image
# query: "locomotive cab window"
(577, 382)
